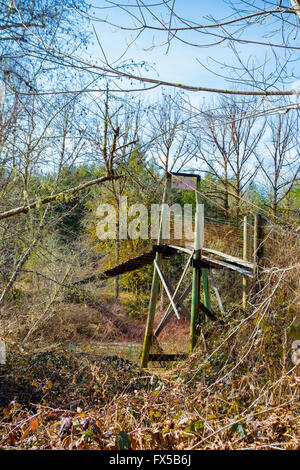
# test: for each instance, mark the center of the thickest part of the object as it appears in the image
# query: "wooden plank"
(183, 249)
(233, 267)
(125, 267)
(230, 258)
(215, 262)
(211, 263)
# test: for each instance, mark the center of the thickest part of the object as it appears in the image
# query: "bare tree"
(280, 164)
(170, 146)
(227, 144)
(276, 22)
(116, 138)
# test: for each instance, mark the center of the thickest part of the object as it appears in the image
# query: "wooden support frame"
(231, 259)
(167, 288)
(179, 300)
(195, 308)
(200, 270)
(155, 283)
(169, 313)
(232, 267)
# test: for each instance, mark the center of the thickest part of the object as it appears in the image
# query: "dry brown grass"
(239, 390)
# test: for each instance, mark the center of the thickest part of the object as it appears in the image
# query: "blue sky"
(179, 63)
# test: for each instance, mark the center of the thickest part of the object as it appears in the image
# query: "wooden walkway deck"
(212, 260)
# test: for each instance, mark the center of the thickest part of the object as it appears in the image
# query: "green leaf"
(189, 429)
(199, 425)
(123, 441)
(239, 429)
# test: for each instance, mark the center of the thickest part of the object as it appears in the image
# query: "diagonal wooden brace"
(166, 287)
(169, 313)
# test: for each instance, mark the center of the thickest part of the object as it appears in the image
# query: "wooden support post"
(258, 248)
(195, 308)
(206, 296)
(155, 283)
(205, 284)
(244, 294)
(195, 301)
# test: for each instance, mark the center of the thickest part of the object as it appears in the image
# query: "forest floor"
(62, 400)
(81, 393)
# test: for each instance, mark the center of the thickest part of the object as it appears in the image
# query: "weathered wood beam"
(198, 244)
(232, 259)
(233, 267)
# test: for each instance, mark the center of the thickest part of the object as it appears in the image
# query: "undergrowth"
(238, 390)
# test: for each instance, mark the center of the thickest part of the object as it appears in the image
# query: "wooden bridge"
(203, 261)
(210, 259)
